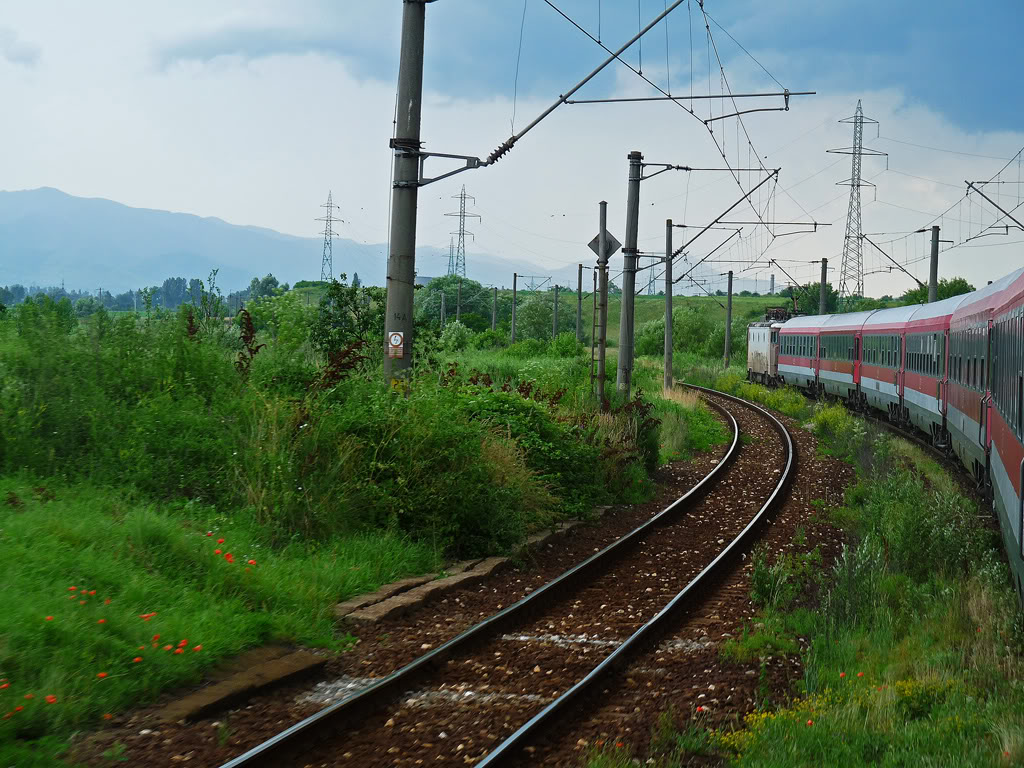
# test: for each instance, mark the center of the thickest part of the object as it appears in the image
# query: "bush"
(565, 345)
(489, 340)
(455, 337)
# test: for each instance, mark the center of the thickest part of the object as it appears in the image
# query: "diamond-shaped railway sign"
(613, 245)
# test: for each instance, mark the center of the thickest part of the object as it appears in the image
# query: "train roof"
(936, 309)
(1012, 292)
(985, 299)
(805, 322)
(887, 318)
(848, 321)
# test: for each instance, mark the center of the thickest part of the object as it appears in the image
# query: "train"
(953, 369)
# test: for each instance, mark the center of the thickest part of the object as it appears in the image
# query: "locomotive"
(953, 369)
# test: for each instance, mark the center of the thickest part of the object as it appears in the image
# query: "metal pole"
(625, 369)
(458, 303)
(442, 310)
(494, 310)
(515, 281)
(602, 268)
(579, 303)
(668, 304)
(822, 296)
(933, 272)
(771, 289)
(728, 321)
(593, 333)
(554, 318)
(404, 192)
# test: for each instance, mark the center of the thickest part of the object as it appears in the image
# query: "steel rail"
(388, 688)
(510, 747)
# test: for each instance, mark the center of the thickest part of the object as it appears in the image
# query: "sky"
(252, 112)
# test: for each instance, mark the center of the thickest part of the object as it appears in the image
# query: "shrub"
(455, 337)
(489, 340)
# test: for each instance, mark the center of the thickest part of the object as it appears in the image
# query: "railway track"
(484, 695)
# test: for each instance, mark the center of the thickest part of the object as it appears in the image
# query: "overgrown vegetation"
(130, 445)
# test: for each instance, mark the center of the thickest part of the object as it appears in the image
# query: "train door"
(944, 378)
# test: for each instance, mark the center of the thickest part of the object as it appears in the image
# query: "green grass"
(143, 559)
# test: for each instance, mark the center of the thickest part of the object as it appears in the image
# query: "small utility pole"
(404, 193)
(624, 379)
(515, 280)
(822, 295)
(602, 268)
(494, 310)
(933, 271)
(728, 321)
(771, 288)
(668, 304)
(554, 318)
(442, 310)
(458, 303)
(593, 332)
(579, 304)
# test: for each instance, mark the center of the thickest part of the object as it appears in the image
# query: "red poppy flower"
(137, 659)
(92, 591)
(252, 562)
(216, 551)
(619, 744)
(140, 647)
(209, 533)
(810, 722)
(29, 695)
(49, 618)
(700, 709)
(107, 601)
(5, 685)
(156, 637)
(229, 557)
(71, 597)
(198, 648)
(860, 674)
(81, 602)
(842, 674)
(101, 674)
(183, 643)
(179, 650)
(108, 716)
(220, 541)
(51, 699)
(168, 647)
(18, 708)
(102, 621)
(72, 589)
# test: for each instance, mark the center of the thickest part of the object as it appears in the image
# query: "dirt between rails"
(686, 669)
(536, 663)
(481, 698)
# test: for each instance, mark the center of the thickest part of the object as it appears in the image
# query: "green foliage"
(349, 315)
(565, 345)
(455, 336)
(947, 289)
(489, 340)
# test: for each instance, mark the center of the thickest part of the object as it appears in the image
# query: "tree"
(947, 289)
(173, 292)
(262, 288)
(349, 316)
(808, 298)
(355, 280)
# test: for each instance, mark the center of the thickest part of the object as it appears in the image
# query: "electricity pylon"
(851, 274)
(327, 264)
(457, 261)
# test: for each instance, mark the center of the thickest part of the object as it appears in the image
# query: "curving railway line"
(487, 695)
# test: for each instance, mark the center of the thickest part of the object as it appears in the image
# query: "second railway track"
(480, 697)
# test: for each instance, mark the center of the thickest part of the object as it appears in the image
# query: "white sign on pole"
(396, 344)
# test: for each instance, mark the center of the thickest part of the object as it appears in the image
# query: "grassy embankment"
(915, 633)
(130, 447)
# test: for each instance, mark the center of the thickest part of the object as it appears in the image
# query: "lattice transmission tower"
(851, 275)
(327, 264)
(457, 257)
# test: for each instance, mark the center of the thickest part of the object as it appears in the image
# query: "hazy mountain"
(47, 236)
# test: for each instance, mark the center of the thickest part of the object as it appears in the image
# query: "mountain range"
(48, 237)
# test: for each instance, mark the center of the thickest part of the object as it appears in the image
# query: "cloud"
(251, 43)
(17, 51)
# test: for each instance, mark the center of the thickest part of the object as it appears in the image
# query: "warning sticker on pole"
(396, 344)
